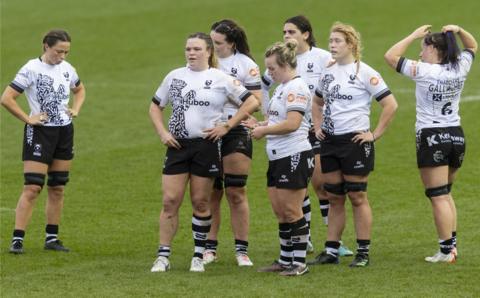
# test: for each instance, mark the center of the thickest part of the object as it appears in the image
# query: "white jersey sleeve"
(23, 79)
(373, 82)
(161, 96)
(234, 89)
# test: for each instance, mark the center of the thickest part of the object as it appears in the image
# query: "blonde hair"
(285, 53)
(352, 37)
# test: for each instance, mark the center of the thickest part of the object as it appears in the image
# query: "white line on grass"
(3, 209)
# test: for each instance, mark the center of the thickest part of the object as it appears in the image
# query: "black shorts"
(291, 172)
(440, 146)
(316, 144)
(46, 143)
(198, 156)
(232, 143)
(338, 152)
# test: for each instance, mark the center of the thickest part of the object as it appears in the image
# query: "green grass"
(122, 51)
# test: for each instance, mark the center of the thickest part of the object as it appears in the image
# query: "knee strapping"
(57, 178)
(34, 178)
(355, 186)
(235, 180)
(437, 191)
(337, 189)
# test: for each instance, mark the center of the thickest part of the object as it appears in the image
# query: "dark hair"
(54, 36)
(212, 60)
(233, 34)
(303, 24)
(446, 45)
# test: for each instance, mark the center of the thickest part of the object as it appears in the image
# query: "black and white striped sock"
(446, 246)
(200, 229)
(363, 246)
(331, 247)
(51, 233)
(286, 248)
(211, 245)
(18, 235)
(164, 251)
(454, 238)
(324, 206)
(241, 247)
(299, 241)
(307, 213)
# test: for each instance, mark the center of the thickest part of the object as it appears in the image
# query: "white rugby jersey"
(47, 88)
(245, 70)
(197, 99)
(438, 89)
(309, 67)
(348, 97)
(291, 96)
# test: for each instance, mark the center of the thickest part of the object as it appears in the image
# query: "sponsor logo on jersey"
(237, 82)
(273, 113)
(374, 81)
(254, 72)
(207, 84)
(290, 97)
(340, 96)
(437, 96)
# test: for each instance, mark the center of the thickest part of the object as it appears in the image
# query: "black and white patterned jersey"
(245, 70)
(291, 96)
(47, 88)
(438, 89)
(348, 96)
(309, 67)
(197, 99)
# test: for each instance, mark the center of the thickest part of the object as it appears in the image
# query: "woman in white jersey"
(48, 138)
(197, 93)
(233, 53)
(310, 63)
(291, 159)
(345, 90)
(439, 78)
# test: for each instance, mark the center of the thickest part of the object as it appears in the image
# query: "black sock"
(241, 247)
(211, 245)
(200, 229)
(51, 233)
(163, 251)
(307, 214)
(331, 247)
(299, 241)
(454, 238)
(446, 246)
(18, 235)
(363, 246)
(324, 206)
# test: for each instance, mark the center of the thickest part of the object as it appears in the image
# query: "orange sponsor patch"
(290, 97)
(237, 82)
(253, 72)
(374, 81)
(413, 69)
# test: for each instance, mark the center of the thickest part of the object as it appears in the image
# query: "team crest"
(234, 71)
(207, 84)
(310, 67)
(37, 150)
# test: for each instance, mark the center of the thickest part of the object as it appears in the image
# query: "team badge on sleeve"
(290, 97)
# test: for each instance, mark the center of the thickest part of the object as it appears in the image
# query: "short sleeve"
(23, 79)
(297, 100)
(75, 80)
(252, 77)
(375, 85)
(235, 90)
(415, 70)
(161, 97)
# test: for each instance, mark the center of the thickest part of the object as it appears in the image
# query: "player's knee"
(437, 191)
(232, 180)
(336, 189)
(34, 179)
(355, 186)
(57, 178)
